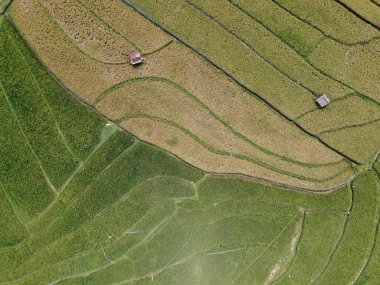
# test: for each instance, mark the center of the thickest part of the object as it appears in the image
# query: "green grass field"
(163, 179)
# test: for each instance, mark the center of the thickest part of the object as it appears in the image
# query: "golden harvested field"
(252, 32)
(330, 118)
(184, 145)
(331, 19)
(358, 143)
(79, 25)
(269, 122)
(357, 66)
(157, 98)
(146, 37)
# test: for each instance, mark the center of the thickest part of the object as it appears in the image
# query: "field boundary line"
(126, 151)
(187, 93)
(293, 249)
(235, 155)
(16, 216)
(376, 3)
(270, 244)
(123, 234)
(319, 29)
(67, 183)
(358, 15)
(340, 238)
(343, 98)
(264, 59)
(234, 175)
(83, 163)
(95, 251)
(353, 126)
(100, 19)
(26, 140)
(40, 249)
(158, 49)
(305, 58)
(6, 9)
(251, 92)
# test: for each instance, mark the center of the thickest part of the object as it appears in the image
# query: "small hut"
(323, 101)
(135, 58)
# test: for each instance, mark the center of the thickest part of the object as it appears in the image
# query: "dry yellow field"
(330, 118)
(184, 145)
(355, 65)
(171, 86)
(158, 98)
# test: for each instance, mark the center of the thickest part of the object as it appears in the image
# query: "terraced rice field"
(210, 163)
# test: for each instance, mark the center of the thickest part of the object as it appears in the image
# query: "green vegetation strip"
(132, 213)
(371, 273)
(54, 128)
(354, 249)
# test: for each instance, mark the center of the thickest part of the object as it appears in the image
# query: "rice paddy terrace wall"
(83, 202)
(236, 97)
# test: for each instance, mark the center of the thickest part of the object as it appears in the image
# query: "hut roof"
(323, 100)
(135, 57)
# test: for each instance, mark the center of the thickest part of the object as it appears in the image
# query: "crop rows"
(155, 16)
(83, 202)
(212, 129)
(331, 19)
(199, 92)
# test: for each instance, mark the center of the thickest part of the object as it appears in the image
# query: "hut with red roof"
(135, 58)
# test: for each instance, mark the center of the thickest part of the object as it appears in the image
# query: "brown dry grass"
(239, 109)
(359, 143)
(357, 65)
(141, 32)
(356, 110)
(88, 32)
(79, 73)
(158, 99)
(195, 154)
(88, 78)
